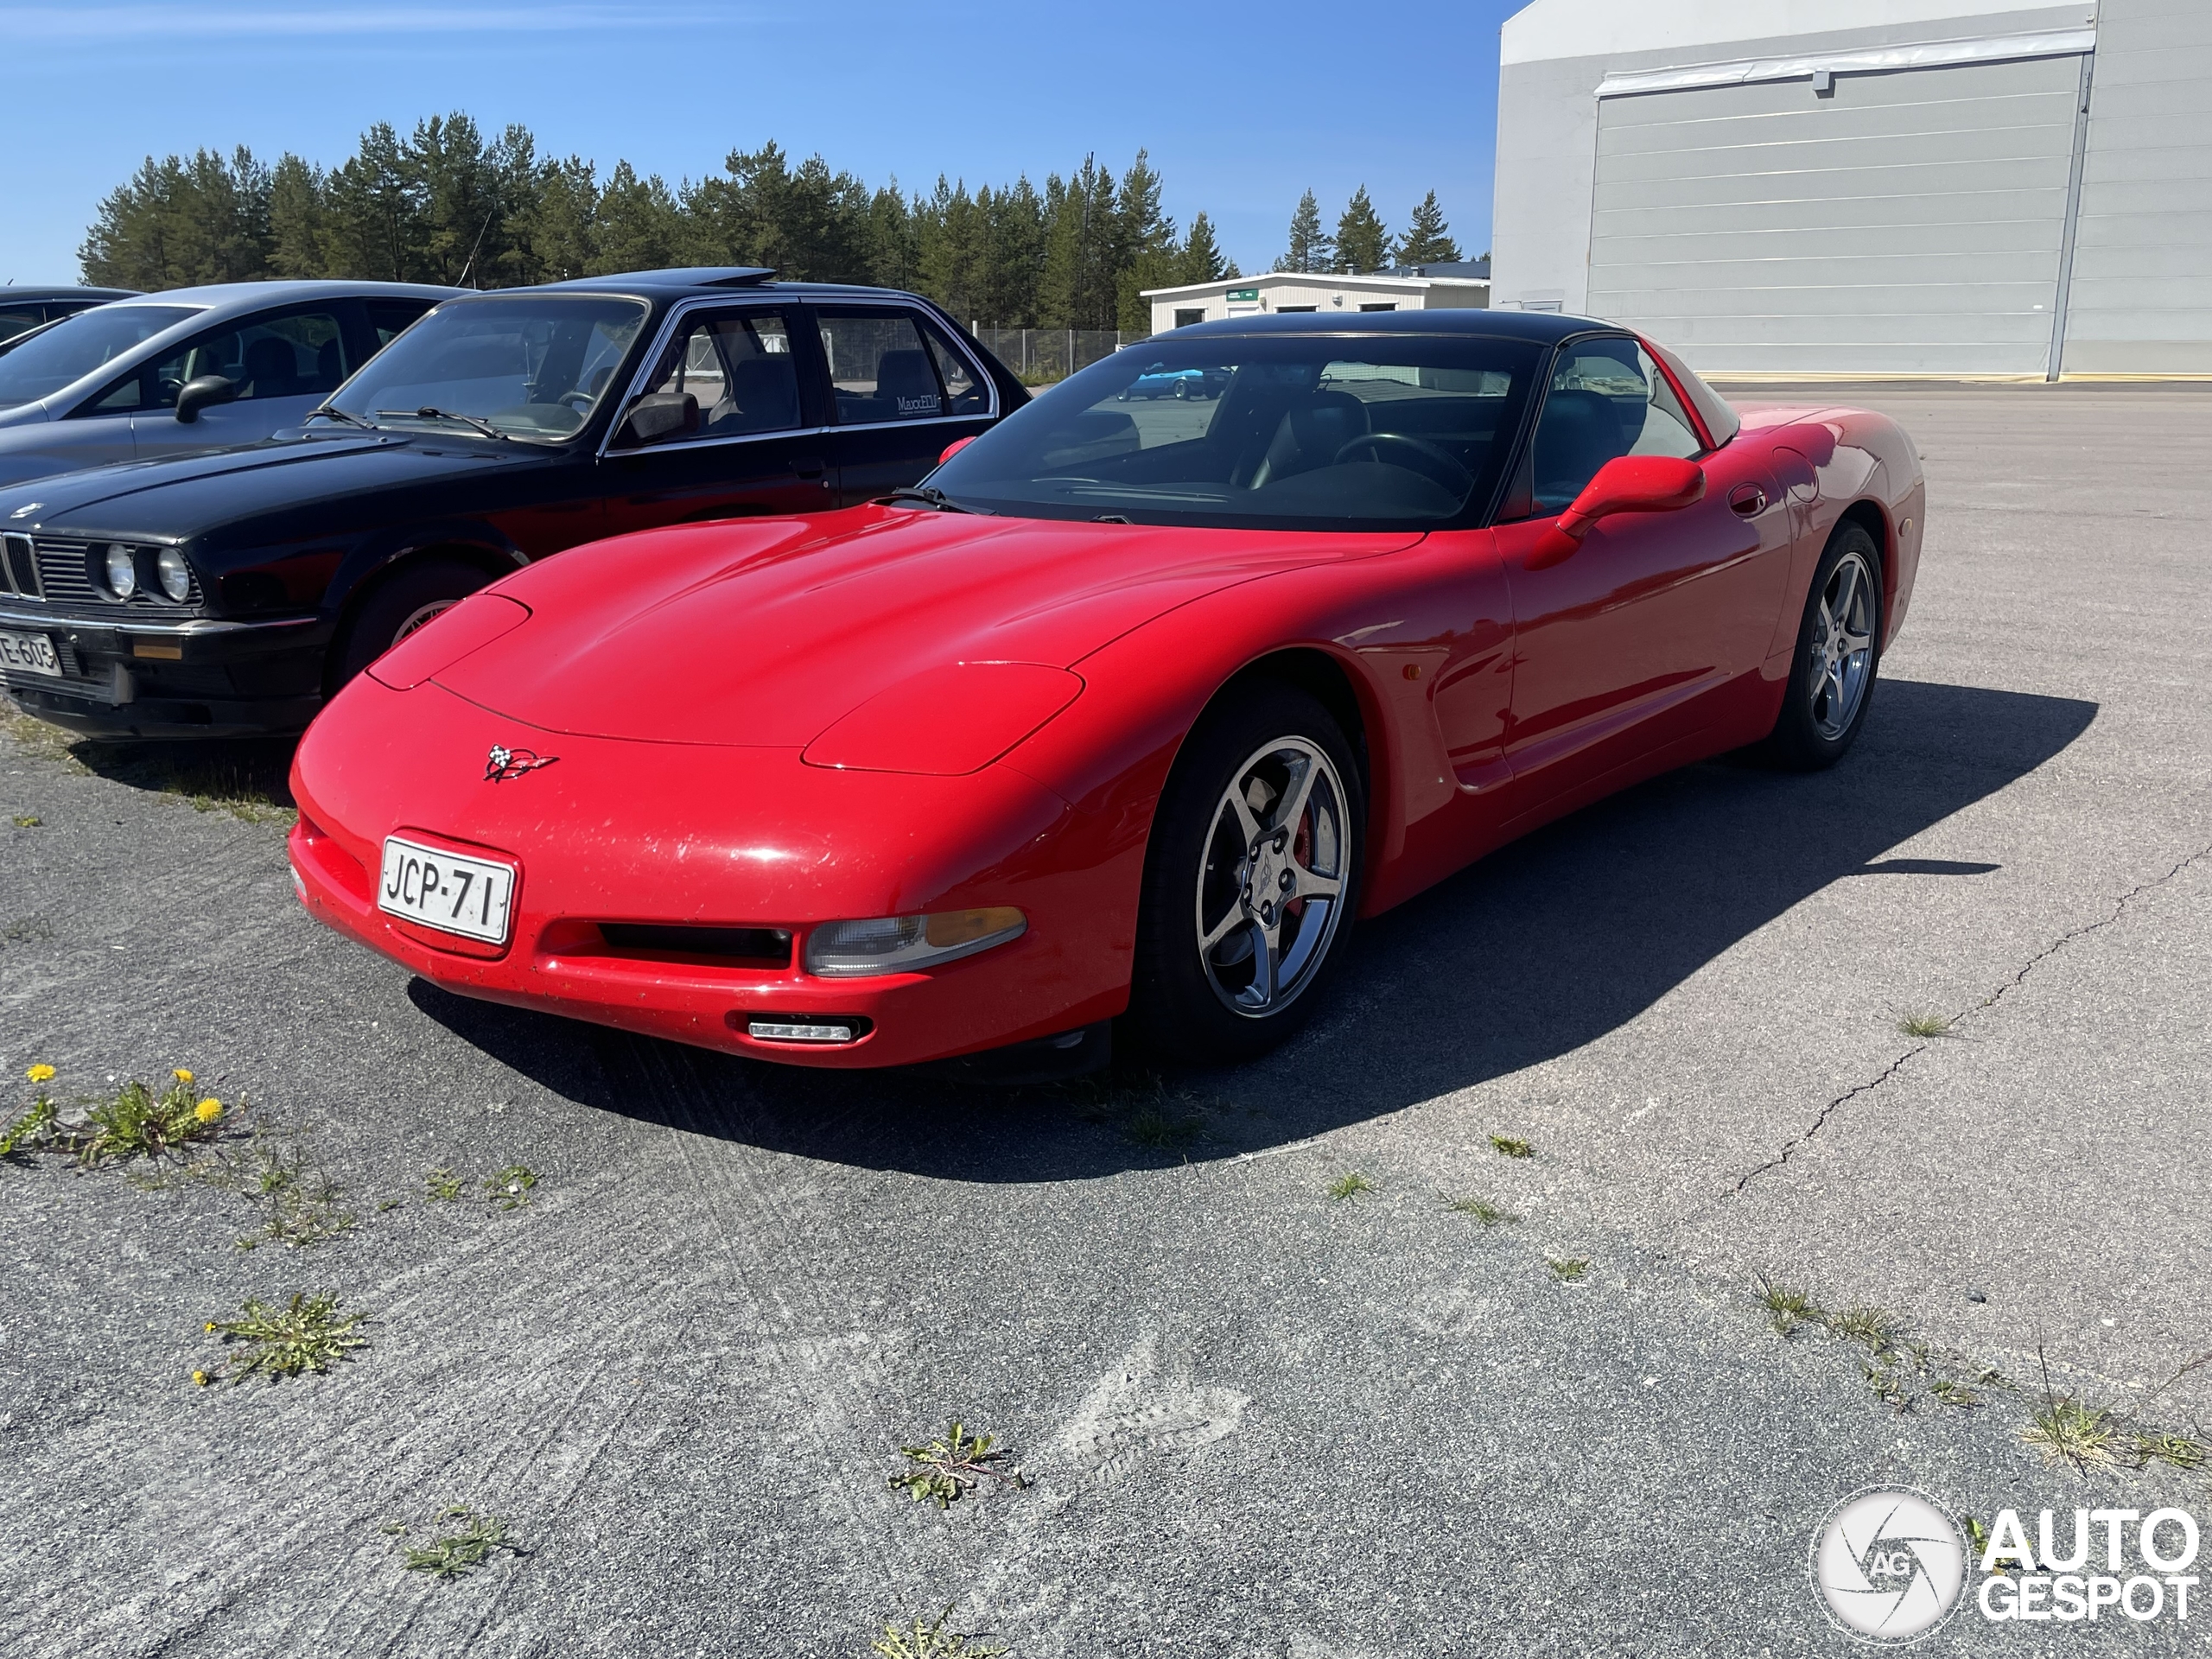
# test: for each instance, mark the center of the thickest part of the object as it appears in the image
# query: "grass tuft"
(28, 821)
(2163, 1446)
(453, 1554)
(1788, 1310)
(1568, 1270)
(308, 1334)
(916, 1640)
(948, 1468)
(135, 1121)
(509, 1189)
(442, 1185)
(1925, 1025)
(2067, 1429)
(1482, 1209)
(1507, 1146)
(1875, 1329)
(1350, 1186)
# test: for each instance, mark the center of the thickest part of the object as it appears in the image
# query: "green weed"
(1350, 1186)
(932, 1641)
(453, 1554)
(308, 1334)
(1482, 1209)
(1507, 1146)
(1925, 1025)
(509, 1189)
(1789, 1310)
(948, 1468)
(1568, 1270)
(27, 821)
(1875, 1329)
(2066, 1429)
(442, 1185)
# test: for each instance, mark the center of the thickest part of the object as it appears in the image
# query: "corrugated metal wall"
(2141, 302)
(1912, 222)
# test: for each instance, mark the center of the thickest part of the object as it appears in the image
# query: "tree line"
(447, 204)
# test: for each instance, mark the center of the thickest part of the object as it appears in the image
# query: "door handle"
(810, 466)
(1747, 501)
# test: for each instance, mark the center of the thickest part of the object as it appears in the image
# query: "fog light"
(121, 570)
(895, 945)
(792, 1031)
(175, 573)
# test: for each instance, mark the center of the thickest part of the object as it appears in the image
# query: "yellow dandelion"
(40, 1073)
(203, 1378)
(181, 1075)
(211, 1327)
(208, 1110)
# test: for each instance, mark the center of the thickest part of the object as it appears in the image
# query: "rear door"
(282, 362)
(749, 440)
(902, 391)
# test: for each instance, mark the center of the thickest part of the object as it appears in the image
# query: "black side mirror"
(659, 415)
(203, 392)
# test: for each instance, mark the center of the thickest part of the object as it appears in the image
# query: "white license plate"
(32, 653)
(469, 896)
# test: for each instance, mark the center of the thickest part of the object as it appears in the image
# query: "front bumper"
(692, 835)
(205, 677)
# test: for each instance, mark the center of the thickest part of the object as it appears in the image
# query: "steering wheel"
(581, 399)
(1426, 450)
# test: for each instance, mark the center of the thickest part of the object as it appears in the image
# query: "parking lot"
(1255, 1418)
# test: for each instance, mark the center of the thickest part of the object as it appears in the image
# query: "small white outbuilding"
(1424, 288)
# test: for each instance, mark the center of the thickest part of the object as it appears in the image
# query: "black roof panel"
(1546, 328)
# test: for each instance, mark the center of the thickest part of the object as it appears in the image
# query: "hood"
(765, 633)
(181, 496)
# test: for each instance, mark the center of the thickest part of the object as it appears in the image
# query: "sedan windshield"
(72, 348)
(1271, 431)
(515, 367)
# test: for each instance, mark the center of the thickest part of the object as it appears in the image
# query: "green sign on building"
(1243, 294)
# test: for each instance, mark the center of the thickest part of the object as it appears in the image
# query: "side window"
(736, 368)
(298, 356)
(879, 368)
(964, 393)
(1606, 400)
(13, 322)
(392, 318)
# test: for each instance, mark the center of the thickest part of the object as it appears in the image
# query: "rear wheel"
(1250, 882)
(1832, 676)
(410, 597)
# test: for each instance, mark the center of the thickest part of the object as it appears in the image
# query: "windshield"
(1282, 431)
(522, 368)
(72, 348)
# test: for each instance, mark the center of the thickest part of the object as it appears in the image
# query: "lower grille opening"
(749, 947)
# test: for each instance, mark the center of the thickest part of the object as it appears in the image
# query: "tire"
(1197, 1006)
(1831, 680)
(396, 606)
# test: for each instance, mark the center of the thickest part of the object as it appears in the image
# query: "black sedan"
(232, 593)
(22, 310)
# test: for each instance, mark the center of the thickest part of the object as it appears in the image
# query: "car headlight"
(898, 944)
(121, 570)
(175, 574)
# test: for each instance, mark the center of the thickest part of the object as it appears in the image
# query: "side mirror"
(659, 415)
(1634, 484)
(203, 392)
(954, 449)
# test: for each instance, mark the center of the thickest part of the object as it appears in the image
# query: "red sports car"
(1120, 721)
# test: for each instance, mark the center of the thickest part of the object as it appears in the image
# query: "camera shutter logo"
(1888, 1565)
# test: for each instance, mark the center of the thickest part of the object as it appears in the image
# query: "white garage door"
(1909, 222)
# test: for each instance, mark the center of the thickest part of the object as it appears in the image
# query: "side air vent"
(752, 947)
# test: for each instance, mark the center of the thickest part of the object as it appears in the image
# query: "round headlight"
(121, 571)
(176, 575)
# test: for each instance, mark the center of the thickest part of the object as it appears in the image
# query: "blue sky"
(1243, 104)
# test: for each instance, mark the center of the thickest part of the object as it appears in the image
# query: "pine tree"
(296, 212)
(1077, 285)
(638, 224)
(375, 205)
(556, 236)
(1310, 247)
(1428, 240)
(1200, 260)
(891, 257)
(1016, 217)
(1146, 255)
(1363, 243)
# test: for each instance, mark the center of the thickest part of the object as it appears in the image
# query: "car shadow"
(1539, 949)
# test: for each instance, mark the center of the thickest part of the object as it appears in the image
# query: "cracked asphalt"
(1256, 1419)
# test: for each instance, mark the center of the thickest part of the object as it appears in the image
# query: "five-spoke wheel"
(1271, 880)
(1838, 653)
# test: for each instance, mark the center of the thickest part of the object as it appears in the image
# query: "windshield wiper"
(338, 413)
(929, 495)
(428, 413)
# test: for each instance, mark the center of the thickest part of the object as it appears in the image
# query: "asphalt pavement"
(1254, 1417)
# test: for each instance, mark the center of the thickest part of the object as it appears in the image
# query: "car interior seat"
(1580, 431)
(1312, 431)
(763, 395)
(329, 367)
(272, 366)
(906, 382)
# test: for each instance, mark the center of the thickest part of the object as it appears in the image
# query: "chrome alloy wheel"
(1843, 646)
(1271, 878)
(422, 616)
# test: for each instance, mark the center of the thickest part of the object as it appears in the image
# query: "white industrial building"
(1436, 286)
(1913, 187)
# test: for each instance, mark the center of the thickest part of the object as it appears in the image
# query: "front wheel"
(1832, 675)
(411, 596)
(1250, 882)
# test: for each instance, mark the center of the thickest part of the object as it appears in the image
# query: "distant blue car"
(1176, 383)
